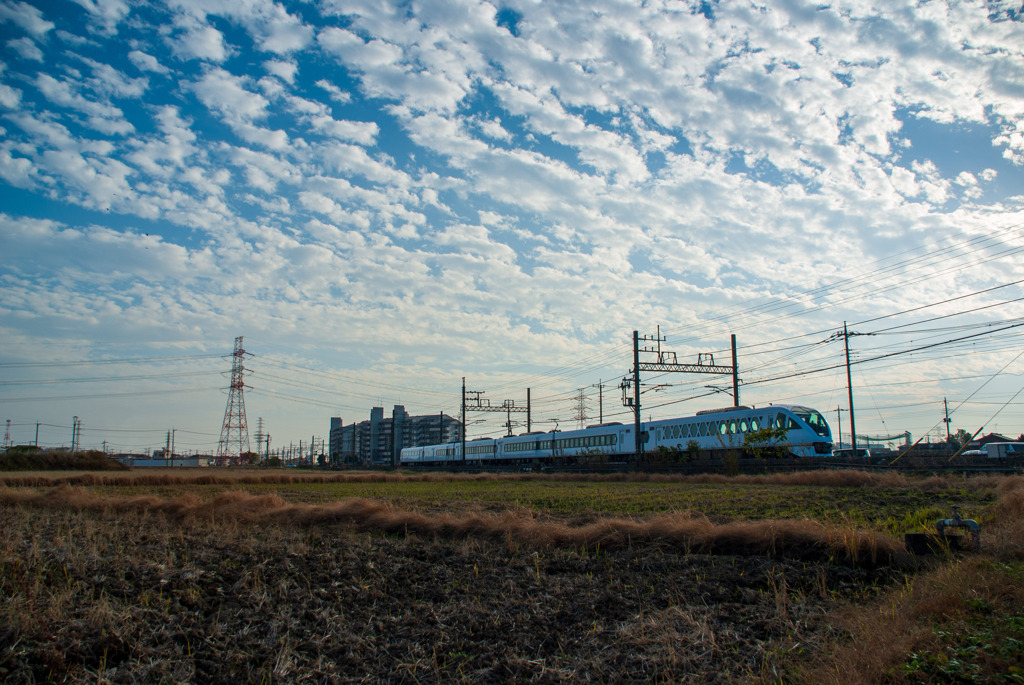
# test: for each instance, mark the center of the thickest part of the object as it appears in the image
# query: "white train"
(806, 432)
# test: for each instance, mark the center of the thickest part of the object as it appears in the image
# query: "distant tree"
(766, 443)
(593, 457)
(692, 450)
(960, 438)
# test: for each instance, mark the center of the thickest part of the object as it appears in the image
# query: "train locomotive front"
(798, 430)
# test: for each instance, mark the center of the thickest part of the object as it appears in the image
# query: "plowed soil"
(135, 597)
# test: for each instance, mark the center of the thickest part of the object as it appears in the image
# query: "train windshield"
(815, 420)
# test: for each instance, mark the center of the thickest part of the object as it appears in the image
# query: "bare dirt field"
(255, 588)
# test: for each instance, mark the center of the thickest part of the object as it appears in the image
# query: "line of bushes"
(29, 458)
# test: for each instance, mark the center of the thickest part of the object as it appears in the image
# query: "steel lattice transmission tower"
(234, 434)
(581, 409)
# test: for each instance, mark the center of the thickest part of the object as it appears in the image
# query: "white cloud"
(27, 48)
(354, 50)
(15, 170)
(107, 13)
(283, 70)
(29, 18)
(362, 132)
(108, 80)
(102, 116)
(337, 94)
(146, 62)
(284, 33)
(197, 40)
(9, 97)
(492, 129)
(225, 92)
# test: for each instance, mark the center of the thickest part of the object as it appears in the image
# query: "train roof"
(721, 410)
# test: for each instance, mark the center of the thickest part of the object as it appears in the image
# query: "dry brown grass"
(798, 539)
(228, 477)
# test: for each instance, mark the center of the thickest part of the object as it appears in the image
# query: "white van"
(847, 453)
(1004, 450)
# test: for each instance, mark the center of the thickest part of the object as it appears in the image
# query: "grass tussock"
(799, 539)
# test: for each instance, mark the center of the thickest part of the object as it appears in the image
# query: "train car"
(431, 455)
(807, 434)
(602, 439)
(482, 449)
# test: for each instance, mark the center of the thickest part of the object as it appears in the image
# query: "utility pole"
(735, 375)
(600, 401)
(945, 404)
(463, 439)
(76, 428)
(839, 423)
(849, 389)
(637, 441)
(528, 410)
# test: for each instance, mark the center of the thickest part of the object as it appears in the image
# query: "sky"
(384, 198)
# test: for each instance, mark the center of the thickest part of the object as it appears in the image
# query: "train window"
(723, 428)
(743, 426)
(732, 427)
(816, 421)
(754, 425)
